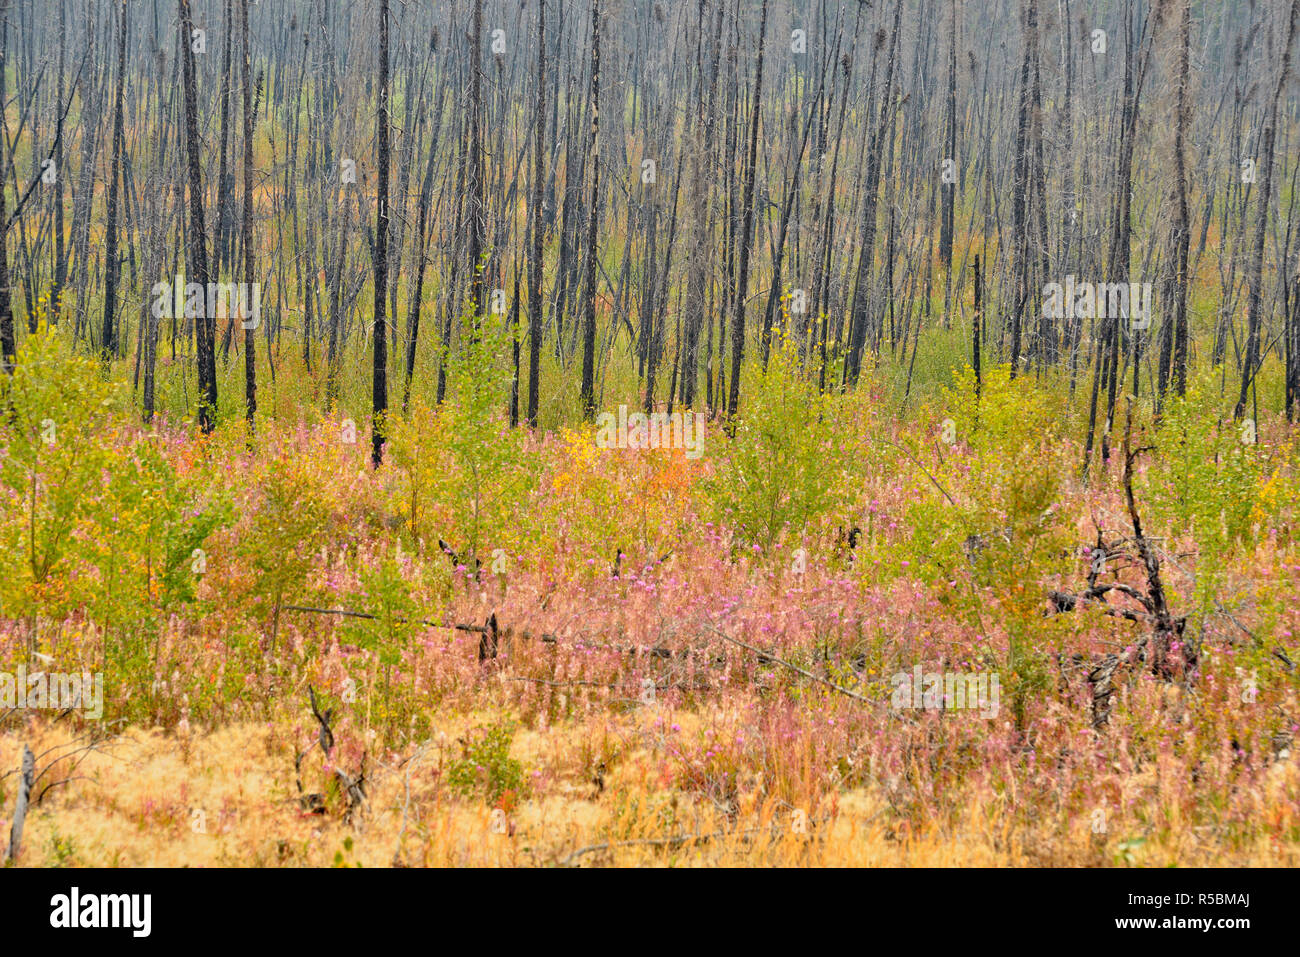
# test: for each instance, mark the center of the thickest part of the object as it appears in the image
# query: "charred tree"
(250, 270)
(196, 238)
(379, 391)
(1255, 301)
(588, 392)
(538, 231)
(108, 338)
(746, 229)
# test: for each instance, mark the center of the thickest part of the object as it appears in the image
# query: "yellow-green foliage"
(56, 412)
(782, 466)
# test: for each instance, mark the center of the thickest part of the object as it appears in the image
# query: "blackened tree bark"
(1107, 370)
(8, 344)
(1182, 228)
(1255, 302)
(205, 328)
(701, 254)
(513, 325)
(92, 107)
(866, 252)
(250, 273)
(593, 216)
(108, 339)
(60, 249)
(1020, 193)
(950, 189)
(421, 257)
(975, 325)
(746, 229)
(535, 276)
(221, 224)
(379, 397)
(474, 173)
(778, 256)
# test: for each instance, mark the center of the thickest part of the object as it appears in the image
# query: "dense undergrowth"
(785, 576)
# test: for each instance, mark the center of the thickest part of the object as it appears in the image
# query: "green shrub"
(467, 475)
(781, 468)
(56, 452)
(486, 766)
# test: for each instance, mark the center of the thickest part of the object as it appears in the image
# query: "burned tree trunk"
(535, 274)
(60, 249)
(950, 189)
(1182, 228)
(1255, 302)
(379, 392)
(474, 172)
(593, 215)
(250, 272)
(778, 256)
(221, 224)
(421, 250)
(975, 325)
(1166, 629)
(8, 344)
(205, 325)
(108, 340)
(1020, 190)
(746, 229)
(858, 318)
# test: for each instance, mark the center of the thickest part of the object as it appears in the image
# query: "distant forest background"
(635, 201)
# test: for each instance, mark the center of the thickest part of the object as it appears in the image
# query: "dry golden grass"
(229, 798)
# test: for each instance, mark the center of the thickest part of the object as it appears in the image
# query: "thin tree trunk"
(1255, 303)
(975, 326)
(8, 344)
(108, 339)
(535, 277)
(474, 173)
(205, 325)
(746, 229)
(379, 404)
(60, 250)
(250, 272)
(862, 282)
(593, 215)
(1182, 233)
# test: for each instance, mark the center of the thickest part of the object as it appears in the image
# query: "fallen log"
(491, 634)
(1165, 627)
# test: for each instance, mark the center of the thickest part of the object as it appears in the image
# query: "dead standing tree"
(205, 325)
(1166, 628)
(1255, 302)
(112, 267)
(474, 176)
(860, 313)
(593, 217)
(379, 391)
(8, 343)
(746, 229)
(949, 189)
(1107, 372)
(538, 229)
(1020, 190)
(1173, 348)
(422, 231)
(250, 272)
